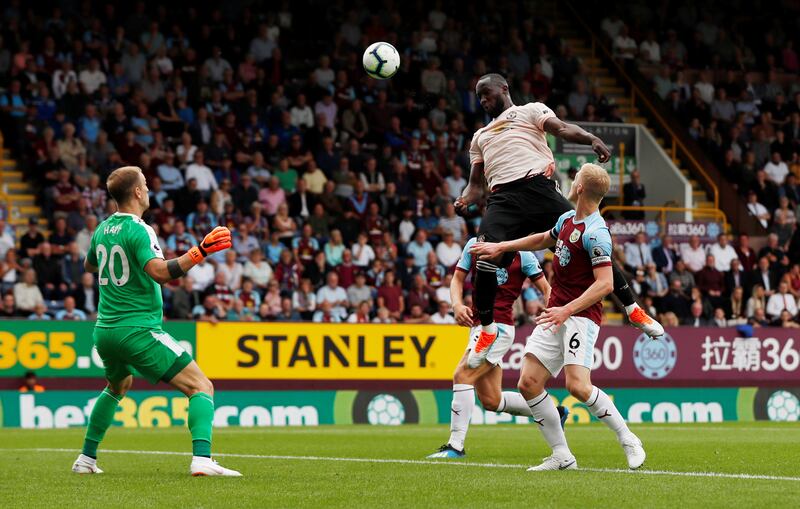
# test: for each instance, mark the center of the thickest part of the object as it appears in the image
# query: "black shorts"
(521, 208)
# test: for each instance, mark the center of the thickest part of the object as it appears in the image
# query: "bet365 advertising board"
(396, 373)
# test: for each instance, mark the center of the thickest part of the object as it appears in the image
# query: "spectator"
(333, 294)
(26, 293)
(664, 255)
(638, 254)
(634, 194)
(202, 174)
(304, 300)
(287, 313)
(765, 276)
(31, 383)
(757, 301)
(693, 254)
(676, 301)
(723, 253)
(334, 248)
(39, 313)
(417, 315)
(696, 319)
(326, 314)
(203, 275)
(272, 301)
(272, 197)
(70, 312)
(711, 281)
(361, 314)
(453, 223)
(784, 221)
(447, 251)
(442, 315)
(772, 251)
(419, 249)
(781, 301)
(9, 308)
(390, 296)
(232, 271)
(746, 255)
(776, 169)
(756, 209)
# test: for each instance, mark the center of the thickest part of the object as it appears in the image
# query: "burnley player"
(512, 155)
(485, 376)
(568, 328)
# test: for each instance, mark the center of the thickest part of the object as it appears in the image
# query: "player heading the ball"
(567, 330)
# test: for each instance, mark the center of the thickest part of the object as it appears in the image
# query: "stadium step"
(11, 176)
(21, 200)
(12, 188)
(704, 204)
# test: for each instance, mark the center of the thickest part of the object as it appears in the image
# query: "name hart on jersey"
(343, 350)
(112, 230)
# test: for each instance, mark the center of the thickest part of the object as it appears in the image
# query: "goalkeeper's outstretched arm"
(164, 271)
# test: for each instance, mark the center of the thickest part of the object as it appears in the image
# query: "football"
(381, 60)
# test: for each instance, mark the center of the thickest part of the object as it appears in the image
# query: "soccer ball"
(381, 60)
(783, 406)
(385, 409)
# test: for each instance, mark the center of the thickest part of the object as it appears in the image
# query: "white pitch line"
(721, 475)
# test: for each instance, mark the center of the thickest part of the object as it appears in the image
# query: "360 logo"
(655, 358)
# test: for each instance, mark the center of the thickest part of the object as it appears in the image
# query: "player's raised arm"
(164, 271)
(576, 134)
(534, 242)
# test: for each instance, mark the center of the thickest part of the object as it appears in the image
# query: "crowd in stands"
(715, 285)
(732, 81)
(338, 188)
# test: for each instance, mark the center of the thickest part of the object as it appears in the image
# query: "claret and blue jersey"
(581, 246)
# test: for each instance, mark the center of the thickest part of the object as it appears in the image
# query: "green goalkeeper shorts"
(151, 352)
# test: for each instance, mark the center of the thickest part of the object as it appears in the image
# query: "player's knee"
(207, 387)
(530, 386)
(580, 389)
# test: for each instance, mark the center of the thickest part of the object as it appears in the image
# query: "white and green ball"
(381, 60)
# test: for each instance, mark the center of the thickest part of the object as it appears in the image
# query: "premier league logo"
(502, 277)
(511, 115)
(655, 358)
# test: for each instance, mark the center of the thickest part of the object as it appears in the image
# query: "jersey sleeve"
(91, 255)
(538, 113)
(530, 265)
(145, 244)
(465, 261)
(560, 223)
(475, 153)
(598, 244)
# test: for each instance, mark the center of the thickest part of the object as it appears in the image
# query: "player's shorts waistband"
(505, 185)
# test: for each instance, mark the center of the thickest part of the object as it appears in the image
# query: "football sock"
(606, 412)
(546, 418)
(201, 417)
(621, 288)
(485, 291)
(514, 403)
(100, 419)
(460, 414)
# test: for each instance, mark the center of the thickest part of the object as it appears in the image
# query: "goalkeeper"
(130, 266)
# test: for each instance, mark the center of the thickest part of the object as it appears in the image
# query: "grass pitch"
(709, 465)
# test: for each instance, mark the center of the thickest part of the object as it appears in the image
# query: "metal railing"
(675, 142)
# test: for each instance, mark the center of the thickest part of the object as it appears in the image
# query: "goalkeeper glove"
(218, 240)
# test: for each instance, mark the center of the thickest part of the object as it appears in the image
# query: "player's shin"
(621, 288)
(100, 419)
(460, 414)
(514, 403)
(546, 418)
(601, 406)
(201, 417)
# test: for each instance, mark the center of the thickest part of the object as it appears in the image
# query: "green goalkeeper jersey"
(121, 246)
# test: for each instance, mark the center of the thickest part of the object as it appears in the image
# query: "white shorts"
(572, 343)
(505, 338)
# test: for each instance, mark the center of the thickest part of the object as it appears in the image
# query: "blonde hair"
(595, 180)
